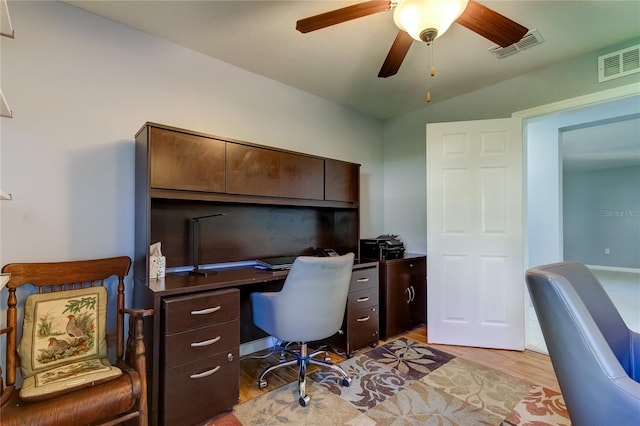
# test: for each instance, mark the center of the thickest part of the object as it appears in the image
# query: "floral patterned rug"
(406, 383)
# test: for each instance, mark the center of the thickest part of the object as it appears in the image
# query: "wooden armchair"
(112, 401)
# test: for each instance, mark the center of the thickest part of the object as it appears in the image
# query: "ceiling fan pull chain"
(432, 68)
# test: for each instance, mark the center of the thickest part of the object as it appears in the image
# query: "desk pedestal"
(197, 310)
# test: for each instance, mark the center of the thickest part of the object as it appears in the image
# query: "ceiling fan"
(422, 20)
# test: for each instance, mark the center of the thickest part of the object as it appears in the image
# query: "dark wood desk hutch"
(275, 203)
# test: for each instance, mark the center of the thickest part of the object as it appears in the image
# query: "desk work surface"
(180, 282)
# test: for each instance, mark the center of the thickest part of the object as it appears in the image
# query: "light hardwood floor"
(528, 365)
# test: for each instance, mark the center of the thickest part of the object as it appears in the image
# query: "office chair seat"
(310, 307)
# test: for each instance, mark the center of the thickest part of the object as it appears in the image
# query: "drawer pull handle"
(206, 311)
(363, 280)
(363, 299)
(205, 342)
(205, 373)
(363, 319)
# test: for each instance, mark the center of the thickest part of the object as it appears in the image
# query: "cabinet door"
(418, 283)
(341, 181)
(260, 171)
(398, 297)
(186, 162)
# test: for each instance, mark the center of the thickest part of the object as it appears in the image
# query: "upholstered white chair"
(310, 307)
(594, 354)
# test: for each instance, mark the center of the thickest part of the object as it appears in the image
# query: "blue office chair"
(595, 356)
(309, 307)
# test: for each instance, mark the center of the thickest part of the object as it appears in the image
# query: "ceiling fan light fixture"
(422, 18)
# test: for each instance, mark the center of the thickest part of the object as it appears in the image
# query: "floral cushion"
(66, 378)
(62, 332)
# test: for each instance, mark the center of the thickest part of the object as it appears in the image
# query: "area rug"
(406, 383)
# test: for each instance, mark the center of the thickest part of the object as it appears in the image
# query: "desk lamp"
(195, 239)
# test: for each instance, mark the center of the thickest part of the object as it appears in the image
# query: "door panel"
(474, 231)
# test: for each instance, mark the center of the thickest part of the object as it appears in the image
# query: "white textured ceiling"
(602, 145)
(341, 63)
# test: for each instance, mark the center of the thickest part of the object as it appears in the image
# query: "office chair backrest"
(316, 296)
(601, 309)
(594, 355)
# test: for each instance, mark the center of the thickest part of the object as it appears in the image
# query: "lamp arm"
(195, 238)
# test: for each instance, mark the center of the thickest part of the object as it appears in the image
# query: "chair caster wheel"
(262, 384)
(346, 382)
(304, 401)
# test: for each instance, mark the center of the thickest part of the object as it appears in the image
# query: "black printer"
(382, 247)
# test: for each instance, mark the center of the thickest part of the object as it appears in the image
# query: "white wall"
(405, 136)
(80, 88)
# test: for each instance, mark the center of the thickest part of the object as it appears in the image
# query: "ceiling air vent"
(530, 39)
(618, 64)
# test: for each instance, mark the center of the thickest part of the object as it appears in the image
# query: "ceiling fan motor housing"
(428, 35)
(427, 19)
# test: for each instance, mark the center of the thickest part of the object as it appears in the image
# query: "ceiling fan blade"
(396, 54)
(344, 14)
(491, 25)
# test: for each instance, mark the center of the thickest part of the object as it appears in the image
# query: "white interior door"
(475, 234)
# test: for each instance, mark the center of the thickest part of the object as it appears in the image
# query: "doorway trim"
(580, 101)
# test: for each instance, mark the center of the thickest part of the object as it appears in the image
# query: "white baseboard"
(613, 269)
(256, 345)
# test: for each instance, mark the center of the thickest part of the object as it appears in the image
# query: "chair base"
(303, 360)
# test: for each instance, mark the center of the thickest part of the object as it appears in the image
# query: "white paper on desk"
(157, 262)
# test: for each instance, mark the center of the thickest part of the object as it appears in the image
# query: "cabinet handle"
(204, 373)
(205, 342)
(363, 319)
(413, 293)
(206, 311)
(408, 294)
(363, 299)
(363, 280)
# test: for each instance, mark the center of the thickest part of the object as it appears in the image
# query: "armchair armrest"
(135, 341)
(135, 354)
(138, 312)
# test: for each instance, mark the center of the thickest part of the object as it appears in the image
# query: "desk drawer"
(197, 391)
(363, 278)
(363, 328)
(187, 346)
(362, 299)
(200, 310)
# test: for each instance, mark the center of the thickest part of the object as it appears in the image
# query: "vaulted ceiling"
(341, 63)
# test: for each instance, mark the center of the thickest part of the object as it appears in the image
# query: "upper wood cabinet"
(260, 171)
(182, 164)
(187, 162)
(341, 181)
